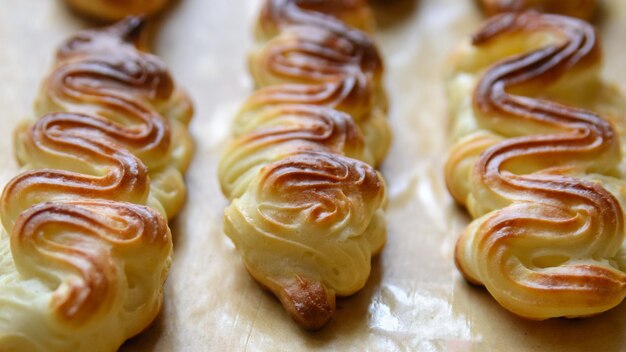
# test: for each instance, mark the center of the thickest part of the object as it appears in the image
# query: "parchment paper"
(415, 299)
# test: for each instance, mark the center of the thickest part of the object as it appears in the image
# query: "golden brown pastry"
(538, 165)
(278, 14)
(307, 208)
(87, 247)
(113, 10)
(577, 8)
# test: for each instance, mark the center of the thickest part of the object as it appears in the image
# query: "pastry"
(577, 8)
(87, 247)
(537, 163)
(307, 208)
(113, 10)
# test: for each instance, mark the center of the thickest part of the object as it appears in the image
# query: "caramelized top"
(577, 8)
(337, 16)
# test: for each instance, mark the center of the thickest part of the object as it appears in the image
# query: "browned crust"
(308, 302)
(41, 236)
(317, 126)
(337, 15)
(321, 178)
(577, 8)
(115, 10)
(332, 69)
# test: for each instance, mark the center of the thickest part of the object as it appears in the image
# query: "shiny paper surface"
(415, 299)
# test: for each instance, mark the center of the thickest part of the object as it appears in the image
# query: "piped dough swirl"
(307, 208)
(101, 73)
(89, 247)
(534, 171)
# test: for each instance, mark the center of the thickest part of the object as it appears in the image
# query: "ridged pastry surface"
(577, 8)
(114, 10)
(87, 247)
(341, 15)
(307, 206)
(101, 73)
(537, 164)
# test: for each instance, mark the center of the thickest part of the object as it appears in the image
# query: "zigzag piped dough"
(538, 165)
(577, 8)
(114, 10)
(88, 247)
(307, 208)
